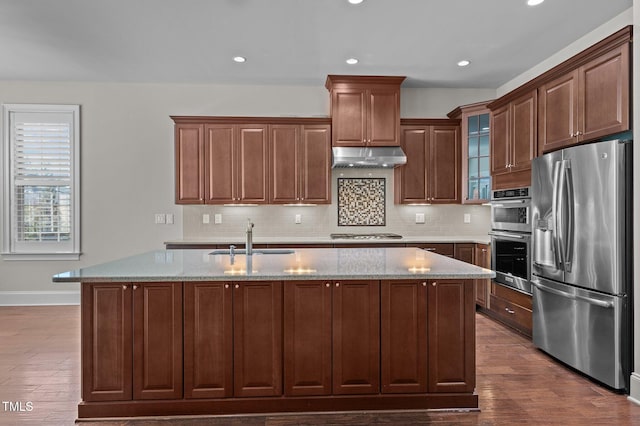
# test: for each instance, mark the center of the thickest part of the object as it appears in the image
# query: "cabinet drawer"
(445, 249)
(511, 313)
(513, 296)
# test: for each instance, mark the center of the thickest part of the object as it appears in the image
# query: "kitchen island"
(184, 332)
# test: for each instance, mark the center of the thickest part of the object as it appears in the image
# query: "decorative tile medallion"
(361, 202)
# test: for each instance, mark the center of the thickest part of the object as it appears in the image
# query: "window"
(40, 182)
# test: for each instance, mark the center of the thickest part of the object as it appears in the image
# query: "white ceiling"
(293, 42)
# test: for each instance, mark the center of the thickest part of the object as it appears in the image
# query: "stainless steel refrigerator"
(581, 268)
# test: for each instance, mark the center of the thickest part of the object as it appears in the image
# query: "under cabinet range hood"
(369, 157)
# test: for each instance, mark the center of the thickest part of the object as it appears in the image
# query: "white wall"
(127, 160)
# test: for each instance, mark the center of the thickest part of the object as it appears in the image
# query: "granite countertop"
(481, 239)
(302, 264)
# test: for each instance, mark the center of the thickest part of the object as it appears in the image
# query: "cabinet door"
(356, 337)
(604, 95)
(157, 341)
(106, 342)
(257, 338)
(482, 259)
(190, 168)
(411, 179)
(221, 164)
(451, 331)
(253, 164)
(500, 139)
(208, 340)
(524, 144)
(465, 252)
(404, 336)
(349, 116)
(316, 164)
(444, 165)
(285, 164)
(558, 111)
(384, 117)
(307, 338)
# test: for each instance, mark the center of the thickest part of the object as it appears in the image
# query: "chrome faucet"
(249, 245)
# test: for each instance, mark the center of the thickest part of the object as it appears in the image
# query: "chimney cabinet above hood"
(365, 110)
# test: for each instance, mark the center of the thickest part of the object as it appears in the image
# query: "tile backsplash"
(361, 201)
(322, 220)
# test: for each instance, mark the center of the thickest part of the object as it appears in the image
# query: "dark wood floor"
(516, 384)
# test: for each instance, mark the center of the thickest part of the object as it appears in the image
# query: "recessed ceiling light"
(534, 2)
(352, 61)
(463, 63)
(355, 1)
(239, 59)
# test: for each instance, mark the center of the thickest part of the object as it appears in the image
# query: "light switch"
(467, 218)
(298, 218)
(217, 218)
(419, 217)
(160, 218)
(169, 219)
(205, 218)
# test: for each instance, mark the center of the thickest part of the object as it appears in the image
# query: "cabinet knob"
(135, 287)
(237, 286)
(327, 285)
(434, 283)
(484, 250)
(124, 287)
(424, 284)
(226, 286)
(337, 284)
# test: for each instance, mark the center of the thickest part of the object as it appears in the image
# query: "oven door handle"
(501, 203)
(505, 234)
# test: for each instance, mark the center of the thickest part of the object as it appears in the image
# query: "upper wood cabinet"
(365, 110)
(513, 141)
(432, 172)
(300, 164)
(252, 160)
(475, 141)
(588, 103)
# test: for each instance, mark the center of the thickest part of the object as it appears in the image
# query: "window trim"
(6, 184)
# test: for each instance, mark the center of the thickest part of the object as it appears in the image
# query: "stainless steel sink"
(255, 251)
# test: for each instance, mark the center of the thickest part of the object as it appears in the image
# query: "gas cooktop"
(372, 236)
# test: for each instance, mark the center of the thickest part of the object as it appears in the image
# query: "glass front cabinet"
(475, 129)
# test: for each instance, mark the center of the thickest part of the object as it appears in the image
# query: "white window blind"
(41, 199)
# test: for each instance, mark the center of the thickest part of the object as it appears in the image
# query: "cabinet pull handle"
(510, 311)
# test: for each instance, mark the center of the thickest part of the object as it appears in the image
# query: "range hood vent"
(370, 157)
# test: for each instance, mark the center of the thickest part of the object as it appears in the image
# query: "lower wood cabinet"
(131, 341)
(483, 259)
(511, 307)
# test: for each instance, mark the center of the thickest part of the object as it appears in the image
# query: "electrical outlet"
(205, 218)
(169, 219)
(217, 218)
(298, 218)
(467, 218)
(160, 218)
(419, 217)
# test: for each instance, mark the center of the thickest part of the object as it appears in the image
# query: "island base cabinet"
(208, 340)
(451, 331)
(404, 336)
(257, 343)
(132, 341)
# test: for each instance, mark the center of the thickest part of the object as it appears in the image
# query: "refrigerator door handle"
(569, 200)
(555, 207)
(589, 300)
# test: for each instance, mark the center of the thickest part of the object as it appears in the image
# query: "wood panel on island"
(432, 173)
(252, 160)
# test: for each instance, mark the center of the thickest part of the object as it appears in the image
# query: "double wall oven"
(511, 237)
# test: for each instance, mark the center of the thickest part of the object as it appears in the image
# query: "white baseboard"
(634, 393)
(36, 298)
